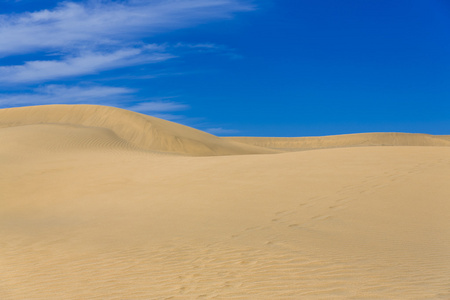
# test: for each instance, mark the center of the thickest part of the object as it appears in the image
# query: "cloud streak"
(59, 94)
(87, 37)
(158, 105)
(93, 36)
(116, 96)
(94, 24)
(82, 64)
(221, 131)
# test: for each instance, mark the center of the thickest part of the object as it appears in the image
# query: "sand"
(345, 140)
(150, 209)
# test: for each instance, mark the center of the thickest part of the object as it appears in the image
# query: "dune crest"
(345, 140)
(138, 130)
(117, 127)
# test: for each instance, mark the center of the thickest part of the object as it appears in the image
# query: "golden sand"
(102, 203)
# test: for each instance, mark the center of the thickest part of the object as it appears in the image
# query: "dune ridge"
(141, 131)
(345, 140)
(101, 203)
(138, 131)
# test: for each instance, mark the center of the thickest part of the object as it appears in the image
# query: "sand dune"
(445, 137)
(141, 131)
(91, 210)
(345, 140)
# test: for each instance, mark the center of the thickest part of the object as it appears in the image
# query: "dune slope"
(141, 131)
(86, 213)
(345, 140)
(369, 222)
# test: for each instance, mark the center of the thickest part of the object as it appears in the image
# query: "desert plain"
(103, 203)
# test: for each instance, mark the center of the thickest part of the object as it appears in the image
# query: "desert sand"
(103, 203)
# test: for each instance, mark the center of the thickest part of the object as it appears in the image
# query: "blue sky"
(236, 67)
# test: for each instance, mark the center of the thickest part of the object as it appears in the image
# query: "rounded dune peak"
(139, 130)
(345, 140)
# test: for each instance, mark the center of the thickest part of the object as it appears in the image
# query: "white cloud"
(98, 23)
(158, 106)
(197, 46)
(90, 36)
(171, 117)
(221, 131)
(82, 64)
(97, 35)
(59, 94)
(209, 48)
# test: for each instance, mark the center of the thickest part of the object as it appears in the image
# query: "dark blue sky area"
(265, 68)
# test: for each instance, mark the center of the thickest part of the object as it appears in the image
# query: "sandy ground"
(88, 211)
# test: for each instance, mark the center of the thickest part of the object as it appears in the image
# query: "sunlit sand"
(103, 203)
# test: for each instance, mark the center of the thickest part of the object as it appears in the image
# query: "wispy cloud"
(209, 48)
(82, 64)
(158, 105)
(58, 94)
(98, 23)
(94, 36)
(87, 37)
(221, 131)
(162, 107)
